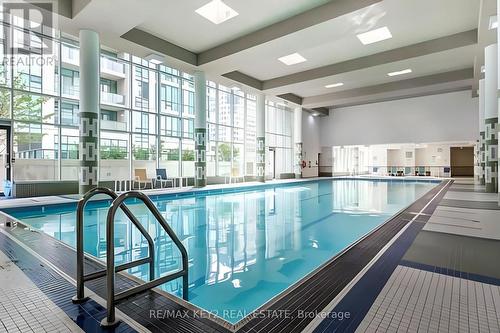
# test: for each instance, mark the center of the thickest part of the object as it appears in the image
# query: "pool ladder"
(112, 298)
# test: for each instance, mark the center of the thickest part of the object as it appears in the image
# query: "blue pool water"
(244, 247)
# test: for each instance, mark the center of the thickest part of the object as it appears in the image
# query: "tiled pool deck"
(433, 268)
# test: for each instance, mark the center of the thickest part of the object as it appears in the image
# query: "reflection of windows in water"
(271, 203)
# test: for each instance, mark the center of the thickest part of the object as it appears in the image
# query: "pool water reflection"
(246, 247)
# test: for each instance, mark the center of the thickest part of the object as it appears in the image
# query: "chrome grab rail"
(111, 300)
(81, 278)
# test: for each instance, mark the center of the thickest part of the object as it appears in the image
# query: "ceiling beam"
(244, 79)
(426, 91)
(78, 6)
(412, 51)
(314, 16)
(455, 79)
(63, 7)
(291, 98)
(159, 45)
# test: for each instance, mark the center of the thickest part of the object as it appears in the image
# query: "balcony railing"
(110, 98)
(112, 67)
(113, 125)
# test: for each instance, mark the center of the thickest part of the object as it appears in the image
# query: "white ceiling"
(421, 66)
(177, 22)
(410, 21)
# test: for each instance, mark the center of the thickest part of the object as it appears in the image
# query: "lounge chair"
(235, 176)
(161, 176)
(141, 178)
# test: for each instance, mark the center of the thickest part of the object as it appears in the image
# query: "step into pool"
(244, 247)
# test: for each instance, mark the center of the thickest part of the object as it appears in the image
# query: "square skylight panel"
(374, 36)
(292, 59)
(216, 11)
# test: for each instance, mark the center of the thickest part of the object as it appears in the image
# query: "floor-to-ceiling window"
(279, 139)
(231, 131)
(146, 116)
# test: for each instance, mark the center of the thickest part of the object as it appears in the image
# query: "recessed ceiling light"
(374, 36)
(404, 71)
(334, 85)
(155, 58)
(292, 59)
(216, 11)
(493, 22)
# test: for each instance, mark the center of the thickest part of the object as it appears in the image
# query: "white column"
(491, 117)
(261, 138)
(89, 109)
(297, 134)
(200, 129)
(481, 133)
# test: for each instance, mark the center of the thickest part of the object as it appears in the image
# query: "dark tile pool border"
(87, 316)
(362, 295)
(310, 295)
(314, 295)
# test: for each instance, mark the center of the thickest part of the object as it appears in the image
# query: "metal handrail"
(80, 274)
(111, 300)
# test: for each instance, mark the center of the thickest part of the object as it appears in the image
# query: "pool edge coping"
(242, 322)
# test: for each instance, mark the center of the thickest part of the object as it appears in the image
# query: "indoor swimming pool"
(244, 247)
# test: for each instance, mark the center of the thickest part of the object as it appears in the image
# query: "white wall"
(437, 118)
(404, 156)
(310, 143)
(433, 155)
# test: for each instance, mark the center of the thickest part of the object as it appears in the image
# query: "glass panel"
(188, 158)
(212, 104)
(239, 111)
(170, 94)
(70, 139)
(250, 138)
(211, 157)
(34, 108)
(170, 126)
(144, 151)
(188, 128)
(69, 113)
(5, 66)
(225, 158)
(114, 163)
(238, 167)
(4, 103)
(143, 122)
(143, 89)
(224, 108)
(224, 133)
(70, 80)
(35, 151)
(188, 97)
(115, 119)
(170, 156)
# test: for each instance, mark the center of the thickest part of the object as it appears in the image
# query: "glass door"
(4, 156)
